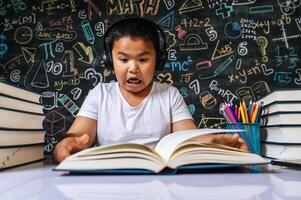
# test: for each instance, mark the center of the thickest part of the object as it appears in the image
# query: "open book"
(172, 152)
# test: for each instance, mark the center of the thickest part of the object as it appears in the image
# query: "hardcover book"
(14, 119)
(287, 96)
(174, 151)
(281, 118)
(16, 156)
(280, 107)
(281, 151)
(21, 105)
(9, 137)
(281, 134)
(19, 93)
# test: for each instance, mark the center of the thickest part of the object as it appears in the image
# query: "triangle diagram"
(40, 79)
(219, 53)
(167, 22)
(29, 53)
(191, 5)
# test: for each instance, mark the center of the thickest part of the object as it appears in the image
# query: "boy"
(134, 109)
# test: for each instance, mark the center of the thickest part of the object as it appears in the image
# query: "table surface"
(38, 181)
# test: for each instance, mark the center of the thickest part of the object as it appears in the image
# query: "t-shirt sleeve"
(90, 106)
(179, 109)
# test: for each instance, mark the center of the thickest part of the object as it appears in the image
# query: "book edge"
(20, 99)
(21, 145)
(22, 164)
(22, 111)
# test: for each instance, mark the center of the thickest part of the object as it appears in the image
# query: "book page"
(115, 150)
(169, 143)
(97, 165)
(192, 152)
(116, 156)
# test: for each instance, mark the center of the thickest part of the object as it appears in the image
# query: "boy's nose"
(134, 67)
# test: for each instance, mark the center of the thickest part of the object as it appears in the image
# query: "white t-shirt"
(147, 123)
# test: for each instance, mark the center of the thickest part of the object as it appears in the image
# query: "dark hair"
(135, 28)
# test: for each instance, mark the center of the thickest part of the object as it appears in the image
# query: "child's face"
(134, 63)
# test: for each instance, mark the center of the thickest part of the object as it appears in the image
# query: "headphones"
(160, 51)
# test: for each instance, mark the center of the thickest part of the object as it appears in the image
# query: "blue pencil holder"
(251, 135)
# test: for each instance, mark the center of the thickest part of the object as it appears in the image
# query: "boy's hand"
(70, 145)
(233, 140)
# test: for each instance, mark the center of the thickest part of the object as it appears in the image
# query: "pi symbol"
(3, 47)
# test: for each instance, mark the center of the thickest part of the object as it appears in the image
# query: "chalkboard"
(218, 50)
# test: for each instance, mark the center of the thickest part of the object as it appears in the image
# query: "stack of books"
(281, 124)
(21, 129)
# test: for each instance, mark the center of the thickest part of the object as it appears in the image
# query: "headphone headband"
(161, 50)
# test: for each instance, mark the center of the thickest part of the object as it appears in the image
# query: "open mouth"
(133, 81)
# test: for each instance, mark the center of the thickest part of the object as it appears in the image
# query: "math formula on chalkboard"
(218, 51)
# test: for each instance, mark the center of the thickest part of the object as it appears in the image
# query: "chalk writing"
(216, 51)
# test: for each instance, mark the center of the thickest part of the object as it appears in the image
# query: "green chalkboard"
(218, 50)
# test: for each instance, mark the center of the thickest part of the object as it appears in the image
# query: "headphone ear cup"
(161, 60)
(104, 59)
(107, 62)
(106, 54)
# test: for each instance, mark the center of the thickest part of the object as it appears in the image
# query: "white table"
(38, 181)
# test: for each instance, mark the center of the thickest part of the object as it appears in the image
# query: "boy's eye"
(143, 59)
(123, 60)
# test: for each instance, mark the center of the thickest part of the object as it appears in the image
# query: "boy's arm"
(183, 125)
(83, 125)
(80, 136)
